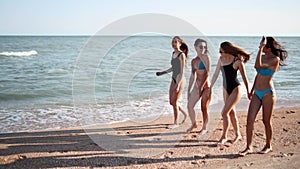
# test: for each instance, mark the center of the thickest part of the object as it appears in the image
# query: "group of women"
(232, 59)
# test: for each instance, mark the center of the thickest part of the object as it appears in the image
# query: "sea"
(52, 82)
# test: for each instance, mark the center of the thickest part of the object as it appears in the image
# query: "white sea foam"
(24, 53)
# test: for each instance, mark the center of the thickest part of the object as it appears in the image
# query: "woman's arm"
(251, 92)
(242, 69)
(203, 82)
(192, 79)
(164, 72)
(216, 73)
(258, 61)
(207, 64)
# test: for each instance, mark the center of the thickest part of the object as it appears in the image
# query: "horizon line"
(218, 35)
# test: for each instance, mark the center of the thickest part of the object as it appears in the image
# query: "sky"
(211, 17)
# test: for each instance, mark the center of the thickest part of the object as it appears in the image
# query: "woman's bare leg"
(178, 96)
(230, 103)
(173, 100)
(235, 124)
(205, 101)
(184, 114)
(254, 107)
(193, 99)
(268, 108)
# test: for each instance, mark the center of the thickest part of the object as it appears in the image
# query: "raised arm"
(258, 62)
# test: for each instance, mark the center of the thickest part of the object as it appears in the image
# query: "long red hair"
(235, 50)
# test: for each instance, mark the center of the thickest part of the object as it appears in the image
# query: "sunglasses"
(202, 47)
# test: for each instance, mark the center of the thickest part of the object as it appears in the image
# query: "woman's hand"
(177, 87)
(250, 95)
(209, 91)
(159, 73)
(263, 42)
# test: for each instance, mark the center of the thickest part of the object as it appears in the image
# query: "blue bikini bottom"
(261, 93)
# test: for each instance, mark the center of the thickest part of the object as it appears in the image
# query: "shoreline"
(70, 120)
(152, 145)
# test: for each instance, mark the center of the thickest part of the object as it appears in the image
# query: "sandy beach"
(152, 145)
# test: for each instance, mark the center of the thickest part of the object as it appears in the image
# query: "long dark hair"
(183, 46)
(277, 50)
(235, 51)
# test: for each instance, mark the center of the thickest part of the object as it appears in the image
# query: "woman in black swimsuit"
(178, 63)
(232, 59)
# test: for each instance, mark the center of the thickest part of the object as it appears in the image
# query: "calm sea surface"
(65, 81)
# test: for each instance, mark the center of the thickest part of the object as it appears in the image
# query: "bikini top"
(265, 71)
(201, 66)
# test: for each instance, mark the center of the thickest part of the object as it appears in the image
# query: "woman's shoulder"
(181, 54)
(195, 59)
(274, 60)
(238, 63)
(206, 57)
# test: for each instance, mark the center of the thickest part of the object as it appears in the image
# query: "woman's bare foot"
(222, 141)
(191, 128)
(203, 131)
(173, 126)
(184, 115)
(184, 118)
(265, 150)
(236, 139)
(245, 152)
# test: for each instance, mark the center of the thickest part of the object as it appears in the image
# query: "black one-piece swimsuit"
(230, 80)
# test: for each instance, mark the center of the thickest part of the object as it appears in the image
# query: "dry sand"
(152, 145)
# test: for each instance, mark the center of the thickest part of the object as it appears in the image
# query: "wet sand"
(151, 144)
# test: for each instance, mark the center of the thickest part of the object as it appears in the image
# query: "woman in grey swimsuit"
(178, 63)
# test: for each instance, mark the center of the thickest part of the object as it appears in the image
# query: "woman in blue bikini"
(232, 59)
(199, 79)
(262, 93)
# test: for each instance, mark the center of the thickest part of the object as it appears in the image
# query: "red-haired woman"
(231, 61)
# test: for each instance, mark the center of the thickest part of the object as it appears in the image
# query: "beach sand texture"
(152, 145)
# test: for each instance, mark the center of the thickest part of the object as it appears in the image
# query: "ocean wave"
(24, 53)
